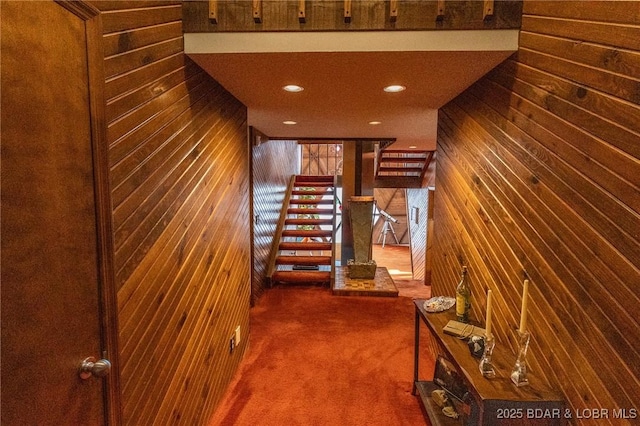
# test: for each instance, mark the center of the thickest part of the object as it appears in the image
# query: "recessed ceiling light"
(289, 122)
(412, 147)
(394, 88)
(293, 88)
(375, 123)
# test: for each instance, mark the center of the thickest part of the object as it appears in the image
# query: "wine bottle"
(463, 298)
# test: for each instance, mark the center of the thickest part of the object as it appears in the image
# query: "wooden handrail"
(334, 231)
(273, 254)
(433, 14)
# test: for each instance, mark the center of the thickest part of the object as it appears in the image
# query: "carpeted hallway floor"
(318, 359)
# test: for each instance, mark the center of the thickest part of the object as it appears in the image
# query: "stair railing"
(273, 254)
(334, 232)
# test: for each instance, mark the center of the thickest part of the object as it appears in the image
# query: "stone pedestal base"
(362, 270)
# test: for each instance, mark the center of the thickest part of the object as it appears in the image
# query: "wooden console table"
(490, 402)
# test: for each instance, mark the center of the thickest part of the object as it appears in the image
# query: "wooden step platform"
(381, 286)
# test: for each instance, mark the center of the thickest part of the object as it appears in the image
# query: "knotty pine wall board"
(136, 79)
(615, 220)
(125, 173)
(540, 228)
(179, 163)
(159, 206)
(181, 239)
(158, 202)
(537, 171)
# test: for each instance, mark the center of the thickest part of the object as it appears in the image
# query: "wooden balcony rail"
(381, 15)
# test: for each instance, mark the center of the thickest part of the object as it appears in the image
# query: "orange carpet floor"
(318, 359)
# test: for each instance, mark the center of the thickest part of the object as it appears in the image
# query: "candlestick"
(486, 366)
(489, 308)
(519, 374)
(523, 313)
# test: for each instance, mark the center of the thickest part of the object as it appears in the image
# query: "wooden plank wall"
(328, 15)
(273, 163)
(417, 206)
(539, 173)
(178, 156)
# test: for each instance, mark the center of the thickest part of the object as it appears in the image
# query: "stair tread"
(313, 184)
(310, 211)
(405, 151)
(310, 246)
(400, 169)
(310, 201)
(403, 159)
(296, 221)
(303, 260)
(307, 233)
(320, 191)
(318, 178)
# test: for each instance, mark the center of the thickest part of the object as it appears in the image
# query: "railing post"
(213, 11)
(257, 11)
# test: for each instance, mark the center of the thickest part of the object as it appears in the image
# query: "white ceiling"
(343, 75)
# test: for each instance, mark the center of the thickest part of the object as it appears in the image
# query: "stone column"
(361, 218)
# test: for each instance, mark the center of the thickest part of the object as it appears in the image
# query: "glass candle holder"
(486, 367)
(519, 372)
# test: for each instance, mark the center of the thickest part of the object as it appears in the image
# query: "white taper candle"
(525, 302)
(489, 302)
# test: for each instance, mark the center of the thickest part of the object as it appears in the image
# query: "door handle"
(90, 367)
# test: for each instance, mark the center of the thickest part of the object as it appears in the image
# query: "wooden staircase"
(303, 251)
(402, 168)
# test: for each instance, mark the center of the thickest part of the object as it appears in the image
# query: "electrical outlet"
(237, 335)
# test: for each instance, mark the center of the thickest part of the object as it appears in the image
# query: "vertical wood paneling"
(180, 190)
(418, 208)
(537, 174)
(273, 164)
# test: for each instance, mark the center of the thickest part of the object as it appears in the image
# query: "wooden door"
(54, 247)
